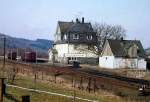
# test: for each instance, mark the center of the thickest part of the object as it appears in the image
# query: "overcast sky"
(38, 18)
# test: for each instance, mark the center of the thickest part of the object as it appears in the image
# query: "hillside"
(39, 44)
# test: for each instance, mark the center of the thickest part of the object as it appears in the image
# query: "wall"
(83, 38)
(116, 62)
(130, 63)
(107, 50)
(88, 60)
(132, 51)
(106, 62)
(125, 63)
(61, 49)
(72, 50)
(142, 64)
(50, 55)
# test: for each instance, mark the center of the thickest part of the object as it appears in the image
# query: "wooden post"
(26, 98)
(35, 77)
(81, 81)
(1, 89)
(94, 85)
(72, 81)
(89, 85)
(74, 92)
(42, 75)
(55, 77)
(23, 70)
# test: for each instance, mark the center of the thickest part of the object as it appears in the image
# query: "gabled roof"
(75, 27)
(120, 48)
(116, 48)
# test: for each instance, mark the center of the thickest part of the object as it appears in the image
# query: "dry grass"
(124, 95)
(36, 97)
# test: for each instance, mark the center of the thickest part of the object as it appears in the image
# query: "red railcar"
(29, 57)
(12, 55)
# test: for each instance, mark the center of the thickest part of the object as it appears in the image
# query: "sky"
(34, 19)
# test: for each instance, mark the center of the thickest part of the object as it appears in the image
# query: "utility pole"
(4, 51)
(36, 56)
(11, 53)
(17, 54)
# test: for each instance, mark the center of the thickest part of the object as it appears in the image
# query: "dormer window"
(75, 36)
(89, 37)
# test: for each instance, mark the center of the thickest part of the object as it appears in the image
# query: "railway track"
(86, 73)
(122, 78)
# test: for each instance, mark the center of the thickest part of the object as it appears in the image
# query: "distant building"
(72, 42)
(148, 58)
(122, 54)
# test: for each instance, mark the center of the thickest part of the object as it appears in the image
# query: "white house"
(73, 41)
(122, 54)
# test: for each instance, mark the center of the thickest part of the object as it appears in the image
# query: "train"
(25, 56)
(12, 55)
(29, 57)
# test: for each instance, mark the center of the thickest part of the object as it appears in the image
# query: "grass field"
(14, 94)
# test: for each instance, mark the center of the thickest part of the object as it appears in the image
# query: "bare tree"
(105, 31)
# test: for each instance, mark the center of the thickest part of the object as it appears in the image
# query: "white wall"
(139, 63)
(61, 49)
(106, 62)
(70, 49)
(142, 64)
(116, 62)
(50, 54)
(125, 63)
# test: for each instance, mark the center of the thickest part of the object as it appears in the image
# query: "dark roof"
(120, 47)
(75, 27)
(147, 51)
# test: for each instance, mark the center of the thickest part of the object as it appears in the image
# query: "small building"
(73, 41)
(122, 54)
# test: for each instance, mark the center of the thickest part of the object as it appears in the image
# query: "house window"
(73, 59)
(89, 37)
(75, 36)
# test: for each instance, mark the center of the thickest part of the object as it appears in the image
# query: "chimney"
(77, 20)
(121, 38)
(82, 19)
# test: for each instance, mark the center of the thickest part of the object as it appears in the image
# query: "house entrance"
(72, 59)
(148, 65)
